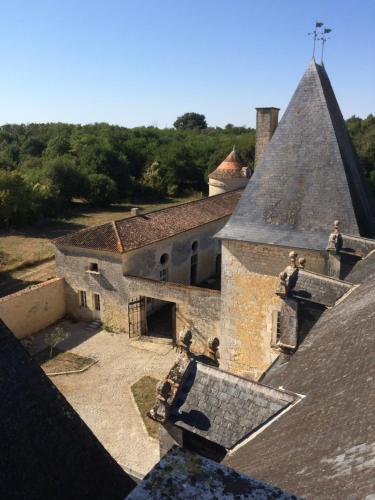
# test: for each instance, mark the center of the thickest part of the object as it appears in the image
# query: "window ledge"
(92, 272)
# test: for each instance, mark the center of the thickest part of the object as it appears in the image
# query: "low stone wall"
(28, 311)
(197, 309)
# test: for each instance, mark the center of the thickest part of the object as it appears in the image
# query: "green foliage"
(190, 121)
(102, 190)
(44, 167)
(52, 339)
(57, 163)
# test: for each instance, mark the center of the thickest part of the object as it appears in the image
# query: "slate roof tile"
(308, 177)
(217, 395)
(46, 450)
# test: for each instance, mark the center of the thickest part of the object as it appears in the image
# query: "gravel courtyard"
(102, 396)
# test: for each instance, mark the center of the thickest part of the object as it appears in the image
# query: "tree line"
(45, 167)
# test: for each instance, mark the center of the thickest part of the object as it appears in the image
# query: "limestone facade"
(113, 278)
(250, 305)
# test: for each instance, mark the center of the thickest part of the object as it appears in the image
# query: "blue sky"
(144, 62)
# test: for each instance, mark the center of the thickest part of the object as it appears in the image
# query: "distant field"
(25, 247)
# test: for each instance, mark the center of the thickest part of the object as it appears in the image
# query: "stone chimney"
(267, 119)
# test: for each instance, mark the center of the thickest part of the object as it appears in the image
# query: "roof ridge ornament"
(335, 239)
(323, 38)
(288, 277)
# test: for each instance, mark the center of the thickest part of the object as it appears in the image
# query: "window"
(193, 269)
(164, 259)
(164, 274)
(194, 246)
(97, 302)
(82, 299)
(278, 327)
(94, 267)
(275, 326)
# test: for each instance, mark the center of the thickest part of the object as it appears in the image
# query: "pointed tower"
(231, 174)
(308, 177)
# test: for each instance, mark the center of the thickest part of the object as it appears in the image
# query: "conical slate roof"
(232, 167)
(308, 177)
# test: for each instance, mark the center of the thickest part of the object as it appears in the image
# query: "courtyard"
(102, 393)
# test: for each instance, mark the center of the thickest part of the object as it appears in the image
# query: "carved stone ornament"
(213, 350)
(335, 238)
(288, 277)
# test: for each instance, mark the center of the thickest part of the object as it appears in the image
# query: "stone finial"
(282, 288)
(186, 340)
(302, 262)
(162, 406)
(213, 348)
(335, 238)
(288, 277)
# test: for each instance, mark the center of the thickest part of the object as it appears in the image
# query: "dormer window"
(93, 267)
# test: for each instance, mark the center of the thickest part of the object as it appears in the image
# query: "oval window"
(194, 246)
(164, 259)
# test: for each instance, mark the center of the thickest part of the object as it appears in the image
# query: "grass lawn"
(62, 361)
(144, 392)
(22, 247)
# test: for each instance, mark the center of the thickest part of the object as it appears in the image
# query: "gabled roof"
(233, 166)
(135, 232)
(308, 176)
(211, 403)
(324, 447)
(47, 451)
(183, 475)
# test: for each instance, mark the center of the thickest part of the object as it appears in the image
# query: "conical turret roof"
(233, 166)
(308, 177)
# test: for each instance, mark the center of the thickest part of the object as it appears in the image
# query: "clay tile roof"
(135, 232)
(232, 166)
(308, 176)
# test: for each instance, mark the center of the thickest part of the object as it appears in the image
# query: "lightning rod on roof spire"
(323, 38)
(315, 35)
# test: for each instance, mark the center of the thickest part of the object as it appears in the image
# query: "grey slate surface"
(319, 289)
(324, 447)
(182, 475)
(308, 177)
(222, 407)
(46, 451)
(363, 270)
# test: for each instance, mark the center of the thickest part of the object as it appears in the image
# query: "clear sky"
(144, 62)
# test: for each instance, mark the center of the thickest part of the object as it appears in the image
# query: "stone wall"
(249, 303)
(73, 264)
(197, 309)
(145, 262)
(266, 123)
(216, 186)
(28, 311)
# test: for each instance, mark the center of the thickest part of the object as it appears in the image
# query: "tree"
(15, 197)
(67, 178)
(52, 339)
(190, 121)
(102, 190)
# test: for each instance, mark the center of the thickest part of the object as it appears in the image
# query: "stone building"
(281, 247)
(231, 174)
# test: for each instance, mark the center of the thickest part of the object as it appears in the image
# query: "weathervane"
(323, 37)
(315, 35)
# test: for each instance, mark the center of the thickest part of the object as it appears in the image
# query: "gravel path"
(102, 395)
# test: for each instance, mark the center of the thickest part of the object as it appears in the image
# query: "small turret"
(231, 174)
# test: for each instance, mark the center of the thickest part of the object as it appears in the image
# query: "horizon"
(171, 59)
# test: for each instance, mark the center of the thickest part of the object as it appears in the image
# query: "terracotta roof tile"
(135, 232)
(232, 166)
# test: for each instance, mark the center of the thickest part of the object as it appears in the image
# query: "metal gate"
(137, 316)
